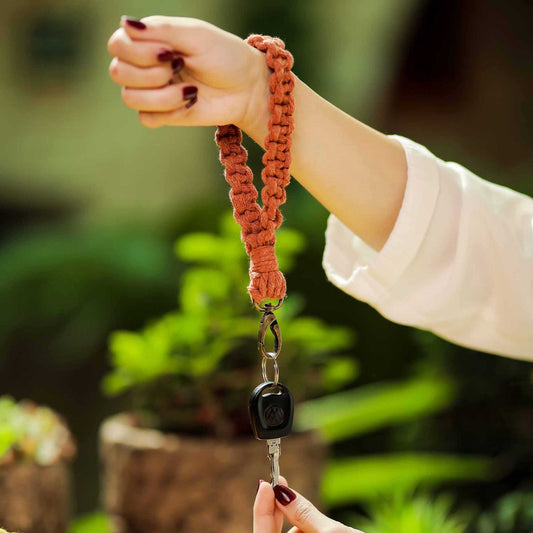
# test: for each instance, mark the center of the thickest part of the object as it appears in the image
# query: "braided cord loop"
(258, 225)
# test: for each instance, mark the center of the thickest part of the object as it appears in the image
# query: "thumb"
(182, 33)
(302, 514)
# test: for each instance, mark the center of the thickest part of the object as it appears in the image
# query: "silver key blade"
(274, 452)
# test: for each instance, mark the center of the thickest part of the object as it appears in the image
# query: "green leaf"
(143, 356)
(314, 336)
(346, 414)
(291, 308)
(208, 249)
(127, 346)
(349, 480)
(116, 382)
(238, 327)
(207, 361)
(339, 371)
(131, 353)
(229, 227)
(288, 244)
(96, 522)
(8, 437)
(7, 405)
(513, 512)
(290, 241)
(203, 289)
(202, 247)
(181, 332)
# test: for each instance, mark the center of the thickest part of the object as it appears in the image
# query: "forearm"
(356, 172)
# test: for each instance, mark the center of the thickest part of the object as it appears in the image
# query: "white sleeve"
(459, 261)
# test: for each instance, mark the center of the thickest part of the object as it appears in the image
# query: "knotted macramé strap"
(260, 224)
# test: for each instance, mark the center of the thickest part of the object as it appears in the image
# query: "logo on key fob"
(274, 415)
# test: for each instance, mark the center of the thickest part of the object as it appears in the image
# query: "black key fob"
(271, 410)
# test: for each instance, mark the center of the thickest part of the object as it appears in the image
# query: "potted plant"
(36, 448)
(184, 457)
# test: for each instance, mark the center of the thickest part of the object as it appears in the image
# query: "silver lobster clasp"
(269, 321)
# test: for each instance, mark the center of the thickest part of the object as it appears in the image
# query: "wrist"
(257, 113)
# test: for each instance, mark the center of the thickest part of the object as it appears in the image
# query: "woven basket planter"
(166, 483)
(35, 499)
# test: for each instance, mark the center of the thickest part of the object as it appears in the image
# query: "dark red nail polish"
(177, 64)
(259, 484)
(284, 495)
(190, 92)
(165, 55)
(134, 23)
(192, 102)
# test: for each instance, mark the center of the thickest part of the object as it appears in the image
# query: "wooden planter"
(167, 483)
(35, 499)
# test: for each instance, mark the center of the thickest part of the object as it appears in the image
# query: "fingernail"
(190, 92)
(177, 64)
(165, 55)
(284, 495)
(133, 22)
(192, 102)
(259, 484)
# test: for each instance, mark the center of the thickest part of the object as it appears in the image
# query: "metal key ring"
(264, 370)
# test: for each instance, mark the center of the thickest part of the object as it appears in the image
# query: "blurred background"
(91, 204)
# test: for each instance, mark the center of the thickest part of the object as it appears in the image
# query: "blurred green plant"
(96, 522)
(405, 513)
(370, 477)
(57, 283)
(513, 513)
(352, 413)
(32, 433)
(193, 368)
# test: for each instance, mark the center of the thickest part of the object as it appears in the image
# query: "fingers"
(168, 98)
(178, 117)
(303, 515)
(128, 75)
(187, 35)
(267, 518)
(139, 53)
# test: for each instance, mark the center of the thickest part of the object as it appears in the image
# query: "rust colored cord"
(260, 224)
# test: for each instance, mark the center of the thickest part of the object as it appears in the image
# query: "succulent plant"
(29, 432)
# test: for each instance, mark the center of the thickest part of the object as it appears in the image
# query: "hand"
(226, 71)
(271, 505)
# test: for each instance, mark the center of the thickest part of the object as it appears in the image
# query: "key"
(274, 453)
(271, 411)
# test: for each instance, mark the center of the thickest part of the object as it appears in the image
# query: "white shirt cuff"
(360, 270)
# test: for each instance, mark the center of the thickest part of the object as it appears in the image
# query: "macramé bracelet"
(259, 224)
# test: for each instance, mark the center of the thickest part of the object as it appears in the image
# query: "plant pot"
(165, 483)
(35, 499)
